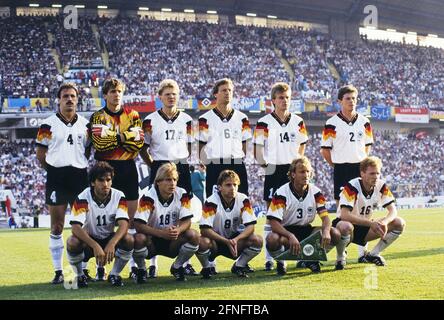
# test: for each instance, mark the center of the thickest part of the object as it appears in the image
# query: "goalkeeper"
(291, 212)
(117, 135)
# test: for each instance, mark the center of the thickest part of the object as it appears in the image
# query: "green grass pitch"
(414, 271)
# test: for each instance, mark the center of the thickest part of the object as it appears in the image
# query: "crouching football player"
(291, 212)
(222, 215)
(163, 222)
(357, 201)
(95, 213)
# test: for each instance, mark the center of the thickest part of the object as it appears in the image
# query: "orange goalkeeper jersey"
(111, 147)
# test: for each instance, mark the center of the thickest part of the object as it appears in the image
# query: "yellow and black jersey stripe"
(111, 147)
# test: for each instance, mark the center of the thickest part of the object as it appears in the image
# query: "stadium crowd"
(411, 166)
(142, 52)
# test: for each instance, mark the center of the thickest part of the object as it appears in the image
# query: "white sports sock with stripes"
(340, 248)
(389, 238)
(139, 256)
(203, 258)
(121, 259)
(56, 246)
(247, 255)
(267, 231)
(186, 251)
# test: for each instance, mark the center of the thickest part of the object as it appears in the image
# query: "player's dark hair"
(100, 169)
(228, 174)
(112, 83)
(67, 85)
(219, 83)
(346, 89)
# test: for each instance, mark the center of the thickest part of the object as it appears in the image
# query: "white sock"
(187, 263)
(340, 248)
(362, 250)
(186, 251)
(75, 260)
(277, 252)
(139, 256)
(203, 258)
(389, 238)
(153, 261)
(84, 265)
(121, 259)
(56, 247)
(246, 255)
(212, 263)
(267, 231)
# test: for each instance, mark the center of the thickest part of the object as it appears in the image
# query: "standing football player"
(279, 138)
(62, 150)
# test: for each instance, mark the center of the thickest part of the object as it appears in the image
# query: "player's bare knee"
(255, 240)
(139, 240)
(57, 228)
(127, 242)
(345, 228)
(398, 224)
(73, 244)
(204, 244)
(273, 241)
(192, 236)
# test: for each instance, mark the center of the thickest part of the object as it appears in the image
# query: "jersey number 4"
(69, 140)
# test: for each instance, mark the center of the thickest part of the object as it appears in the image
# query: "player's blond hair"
(168, 83)
(165, 171)
(303, 161)
(221, 82)
(371, 161)
(279, 87)
(228, 174)
(112, 83)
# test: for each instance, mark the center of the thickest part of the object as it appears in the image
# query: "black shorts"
(274, 180)
(217, 166)
(64, 184)
(89, 252)
(359, 232)
(162, 247)
(126, 178)
(183, 169)
(300, 232)
(343, 173)
(223, 250)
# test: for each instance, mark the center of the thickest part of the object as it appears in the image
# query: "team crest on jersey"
(360, 135)
(235, 221)
(236, 133)
(310, 211)
(293, 137)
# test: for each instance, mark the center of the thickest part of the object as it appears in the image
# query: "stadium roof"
(424, 16)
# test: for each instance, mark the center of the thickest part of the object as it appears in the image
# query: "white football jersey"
(168, 139)
(224, 136)
(226, 221)
(359, 202)
(66, 141)
(292, 209)
(347, 140)
(99, 219)
(281, 140)
(162, 215)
